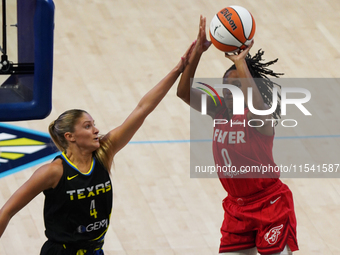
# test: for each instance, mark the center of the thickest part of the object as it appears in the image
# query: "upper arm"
(122, 134)
(43, 178)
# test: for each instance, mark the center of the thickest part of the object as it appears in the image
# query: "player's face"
(232, 78)
(85, 133)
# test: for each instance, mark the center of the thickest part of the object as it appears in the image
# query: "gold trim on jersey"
(75, 167)
(104, 230)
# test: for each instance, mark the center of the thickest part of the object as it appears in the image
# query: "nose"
(96, 130)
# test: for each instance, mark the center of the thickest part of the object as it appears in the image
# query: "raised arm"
(185, 91)
(121, 135)
(44, 178)
(247, 81)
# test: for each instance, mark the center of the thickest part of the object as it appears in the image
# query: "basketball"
(232, 29)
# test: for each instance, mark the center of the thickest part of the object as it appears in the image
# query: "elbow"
(5, 214)
(180, 93)
(184, 96)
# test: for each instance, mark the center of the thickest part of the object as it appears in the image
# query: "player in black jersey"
(77, 186)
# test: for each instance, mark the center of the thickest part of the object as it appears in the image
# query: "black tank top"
(77, 211)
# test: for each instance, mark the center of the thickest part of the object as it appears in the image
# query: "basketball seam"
(241, 24)
(252, 25)
(229, 32)
(251, 29)
(228, 44)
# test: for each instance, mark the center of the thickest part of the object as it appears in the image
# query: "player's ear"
(69, 137)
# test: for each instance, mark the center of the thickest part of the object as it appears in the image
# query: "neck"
(82, 161)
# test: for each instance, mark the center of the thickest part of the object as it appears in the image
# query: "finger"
(246, 50)
(186, 62)
(251, 43)
(200, 24)
(199, 32)
(192, 47)
(202, 34)
(231, 55)
(228, 55)
(188, 53)
(189, 50)
(182, 64)
(203, 25)
(199, 28)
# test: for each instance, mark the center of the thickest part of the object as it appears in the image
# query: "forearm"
(149, 102)
(4, 220)
(200, 45)
(184, 86)
(248, 82)
(42, 179)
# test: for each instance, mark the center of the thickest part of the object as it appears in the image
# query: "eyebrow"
(87, 121)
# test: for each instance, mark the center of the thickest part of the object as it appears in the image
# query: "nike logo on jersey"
(272, 202)
(71, 177)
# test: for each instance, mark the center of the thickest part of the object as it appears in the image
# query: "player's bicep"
(44, 178)
(121, 135)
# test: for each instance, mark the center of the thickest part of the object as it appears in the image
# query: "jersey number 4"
(93, 211)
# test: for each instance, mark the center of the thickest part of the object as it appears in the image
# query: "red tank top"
(244, 151)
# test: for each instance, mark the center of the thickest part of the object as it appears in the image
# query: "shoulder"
(56, 167)
(51, 172)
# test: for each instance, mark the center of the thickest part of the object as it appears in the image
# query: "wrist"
(177, 70)
(240, 62)
(197, 52)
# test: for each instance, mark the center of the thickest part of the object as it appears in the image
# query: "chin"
(95, 147)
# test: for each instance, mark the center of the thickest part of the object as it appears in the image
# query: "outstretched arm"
(121, 135)
(44, 178)
(185, 89)
(247, 81)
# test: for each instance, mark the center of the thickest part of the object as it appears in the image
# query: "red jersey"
(245, 154)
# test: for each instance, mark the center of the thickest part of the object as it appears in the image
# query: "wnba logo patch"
(273, 234)
(21, 148)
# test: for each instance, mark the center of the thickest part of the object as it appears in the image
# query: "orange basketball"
(232, 29)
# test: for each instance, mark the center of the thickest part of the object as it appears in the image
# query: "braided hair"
(259, 72)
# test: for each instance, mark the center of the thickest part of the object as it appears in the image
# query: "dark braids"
(259, 71)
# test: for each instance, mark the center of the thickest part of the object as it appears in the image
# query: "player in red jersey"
(259, 212)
